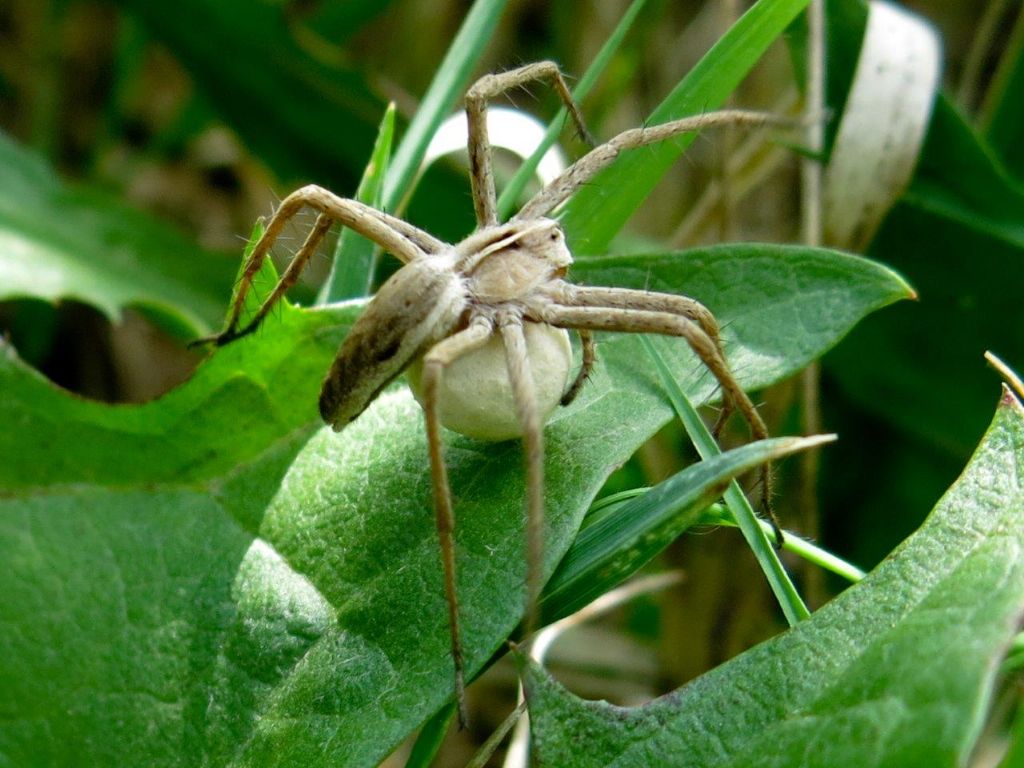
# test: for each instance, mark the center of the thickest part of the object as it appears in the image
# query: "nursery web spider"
(503, 285)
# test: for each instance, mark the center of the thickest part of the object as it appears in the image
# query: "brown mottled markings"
(383, 341)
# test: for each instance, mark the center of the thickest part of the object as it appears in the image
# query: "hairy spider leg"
(627, 298)
(479, 146)
(518, 363)
(586, 366)
(440, 356)
(403, 240)
(660, 320)
(596, 160)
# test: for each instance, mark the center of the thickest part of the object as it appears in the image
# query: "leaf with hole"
(248, 590)
(896, 671)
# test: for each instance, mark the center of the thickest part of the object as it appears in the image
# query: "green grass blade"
(611, 549)
(782, 586)
(510, 195)
(1002, 114)
(444, 91)
(599, 210)
(428, 742)
(353, 263)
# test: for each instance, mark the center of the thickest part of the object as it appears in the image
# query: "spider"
(504, 285)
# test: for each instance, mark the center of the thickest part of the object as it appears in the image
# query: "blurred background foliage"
(203, 114)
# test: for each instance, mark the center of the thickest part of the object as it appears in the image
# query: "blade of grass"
(510, 195)
(428, 742)
(599, 210)
(352, 267)
(1002, 115)
(609, 550)
(782, 586)
(441, 96)
(717, 514)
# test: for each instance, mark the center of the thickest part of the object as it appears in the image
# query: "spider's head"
(508, 261)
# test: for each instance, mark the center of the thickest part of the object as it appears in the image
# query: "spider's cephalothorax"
(497, 300)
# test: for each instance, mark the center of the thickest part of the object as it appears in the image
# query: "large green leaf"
(236, 406)
(199, 580)
(61, 241)
(960, 180)
(897, 671)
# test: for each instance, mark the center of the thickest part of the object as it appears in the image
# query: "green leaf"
(241, 401)
(261, 284)
(742, 280)
(248, 591)
(896, 671)
(614, 547)
(69, 242)
(600, 209)
(960, 180)
(958, 236)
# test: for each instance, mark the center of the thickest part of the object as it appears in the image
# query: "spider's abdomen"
(475, 396)
(419, 305)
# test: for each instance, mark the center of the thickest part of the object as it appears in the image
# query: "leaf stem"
(718, 515)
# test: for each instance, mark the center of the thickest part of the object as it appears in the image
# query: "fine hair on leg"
(406, 242)
(521, 379)
(589, 351)
(664, 323)
(483, 90)
(435, 361)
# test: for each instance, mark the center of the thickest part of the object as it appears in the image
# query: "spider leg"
(482, 91)
(625, 298)
(521, 378)
(434, 362)
(289, 278)
(586, 366)
(597, 318)
(400, 238)
(599, 158)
